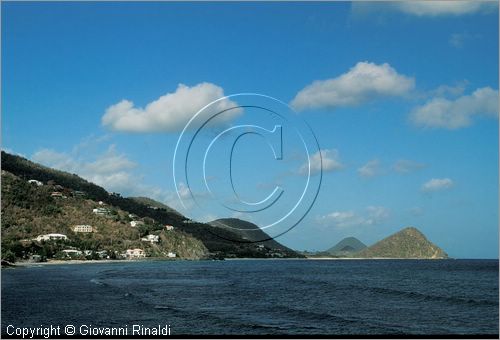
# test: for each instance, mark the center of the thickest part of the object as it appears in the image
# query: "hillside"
(252, 233)
(408, 243)
(214, 239)
(347, 246)
(29, 210)
(151, 203)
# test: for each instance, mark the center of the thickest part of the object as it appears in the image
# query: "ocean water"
(260, 297)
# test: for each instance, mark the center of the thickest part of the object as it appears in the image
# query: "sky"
(401, 97)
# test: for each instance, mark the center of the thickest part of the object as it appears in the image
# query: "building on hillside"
(34, 181)
(136, 223)
(171, 254)
(101, 211)
(151, 238)
(135, 253)
(51, 237)
(78, 193)
(72, 252)
(56, 194)
(103, 254)
(83, 228)
(169, 227)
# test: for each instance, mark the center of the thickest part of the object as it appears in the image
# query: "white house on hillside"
(34, 181)
(72, 252)
(50, 237)
(101, 211)
(136, 223)
(150, 238)
(135, 253)
(83, 228)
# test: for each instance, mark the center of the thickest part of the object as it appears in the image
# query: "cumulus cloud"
(328, 157)
(109, 170)
(370, 169)
(456, 113)
(450, 90)
(406, 166)
(437, 184)
(376, 215)
(172, 111)
(363, 82)
(442, 8)
(373, 215)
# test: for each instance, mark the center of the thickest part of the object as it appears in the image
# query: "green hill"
(347, 246)
(252, 233)
(29, 211)
(27, 203)
(408, 243)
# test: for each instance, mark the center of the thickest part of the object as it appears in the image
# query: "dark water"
(260, 296)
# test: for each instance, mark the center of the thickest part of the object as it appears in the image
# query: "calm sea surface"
(260, 296)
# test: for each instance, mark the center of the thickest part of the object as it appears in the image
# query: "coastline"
(72, 262)
(76, 262)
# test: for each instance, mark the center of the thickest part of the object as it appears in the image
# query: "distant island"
(408, 243)
(49, 214)
(346, 247)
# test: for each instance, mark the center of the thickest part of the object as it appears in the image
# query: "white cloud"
(376, 215)
(330, 159)
(373, 215)
(441, 8)
(109, 170)
(342, 219)
(370, 169)
(406, 166)
(183, 191)
(450, 91)
(437, 184)
(170, 112)
(110, 162)
(363, 82)
(457, 113)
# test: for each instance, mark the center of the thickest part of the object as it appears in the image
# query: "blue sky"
(402, 97)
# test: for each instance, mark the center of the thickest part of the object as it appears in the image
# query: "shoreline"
(76, 262)
(72, 262)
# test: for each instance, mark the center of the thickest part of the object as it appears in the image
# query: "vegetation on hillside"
(252, 233)
(28, 210)
(407, 243)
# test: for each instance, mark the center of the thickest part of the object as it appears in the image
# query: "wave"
(431, 297)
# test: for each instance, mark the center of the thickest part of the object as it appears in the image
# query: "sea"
(256, 297)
